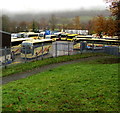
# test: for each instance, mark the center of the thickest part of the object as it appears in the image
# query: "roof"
(37, 41)
(5, 32)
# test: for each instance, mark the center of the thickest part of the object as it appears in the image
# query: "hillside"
(85, 15)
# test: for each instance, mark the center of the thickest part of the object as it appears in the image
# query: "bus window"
(26, 48)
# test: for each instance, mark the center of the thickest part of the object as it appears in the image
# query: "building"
(5, 39)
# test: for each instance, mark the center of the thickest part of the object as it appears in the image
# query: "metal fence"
(15, 55)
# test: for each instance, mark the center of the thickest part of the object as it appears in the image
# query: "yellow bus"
(16, 44)
(32, 35)
(64, 36)
(53, 37)
(71, 37)
(35, 48)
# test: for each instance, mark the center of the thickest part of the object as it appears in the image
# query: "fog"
(84, 14)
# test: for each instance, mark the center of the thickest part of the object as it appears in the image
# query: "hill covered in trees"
(84, 14)
(46, 20)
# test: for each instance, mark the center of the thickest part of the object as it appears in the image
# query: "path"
(21, 75)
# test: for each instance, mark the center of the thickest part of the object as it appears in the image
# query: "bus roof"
(37, 41)
(72, 34)
(84, 36)
(19, 39)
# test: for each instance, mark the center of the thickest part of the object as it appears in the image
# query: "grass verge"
(85, 86)
(34, 64)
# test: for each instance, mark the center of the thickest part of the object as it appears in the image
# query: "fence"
(15, 55)
(113, 50)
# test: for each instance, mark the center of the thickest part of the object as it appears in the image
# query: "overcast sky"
(49, 5)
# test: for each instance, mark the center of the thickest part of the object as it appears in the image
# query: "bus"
(71, 37)
(64, 36)
(18, 35)
(42, 35)
(53, 37)
(35, 48)
(82, 36)
(32, 35)
(16, 45)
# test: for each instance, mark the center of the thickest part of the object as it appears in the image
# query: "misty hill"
(85, 15)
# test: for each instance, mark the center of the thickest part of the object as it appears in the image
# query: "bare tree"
(53, 22)
(43, 23)
(23, 25)
(35, 26)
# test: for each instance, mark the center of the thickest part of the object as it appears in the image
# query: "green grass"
(31, 65)
(85, 86)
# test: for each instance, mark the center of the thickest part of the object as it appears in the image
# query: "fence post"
(68, 48)
(36, 56)
(93, 46)
(104, 47)
(25, 54)
(5, 53)
(42, 50)
(56, 49)
(81, 47)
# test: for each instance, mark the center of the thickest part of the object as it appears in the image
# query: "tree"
(115, 10)
(35, 26)
(99, 24)
(90, 26)
(5, 23)
(43, 23)
(76, 22)
(13, 26)
(53, 22)
(23, 25)
(111, 26)
(70, 25)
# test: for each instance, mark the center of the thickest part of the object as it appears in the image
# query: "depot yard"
(83, 86)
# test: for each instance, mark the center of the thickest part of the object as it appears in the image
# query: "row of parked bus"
(32, 39)
(54, 36)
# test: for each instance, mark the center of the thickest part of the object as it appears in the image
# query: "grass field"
(85, 86)
(34, 64)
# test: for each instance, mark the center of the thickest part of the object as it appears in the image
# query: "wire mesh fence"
(23, 54)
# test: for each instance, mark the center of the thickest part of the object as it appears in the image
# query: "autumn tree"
(70, 25)
(99, 25)
(76, 23)
(115, 10)
(110, 26)
(90, 26)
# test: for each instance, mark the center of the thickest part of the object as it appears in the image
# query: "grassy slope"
(31, 65)
(87, 86)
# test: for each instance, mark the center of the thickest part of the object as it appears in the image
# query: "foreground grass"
(85, 86)
(31, 65)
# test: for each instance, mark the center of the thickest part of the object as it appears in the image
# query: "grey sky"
(50, 5)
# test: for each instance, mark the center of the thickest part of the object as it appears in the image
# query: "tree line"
(99, 24)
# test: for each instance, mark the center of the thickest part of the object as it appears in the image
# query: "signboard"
(47, 32)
